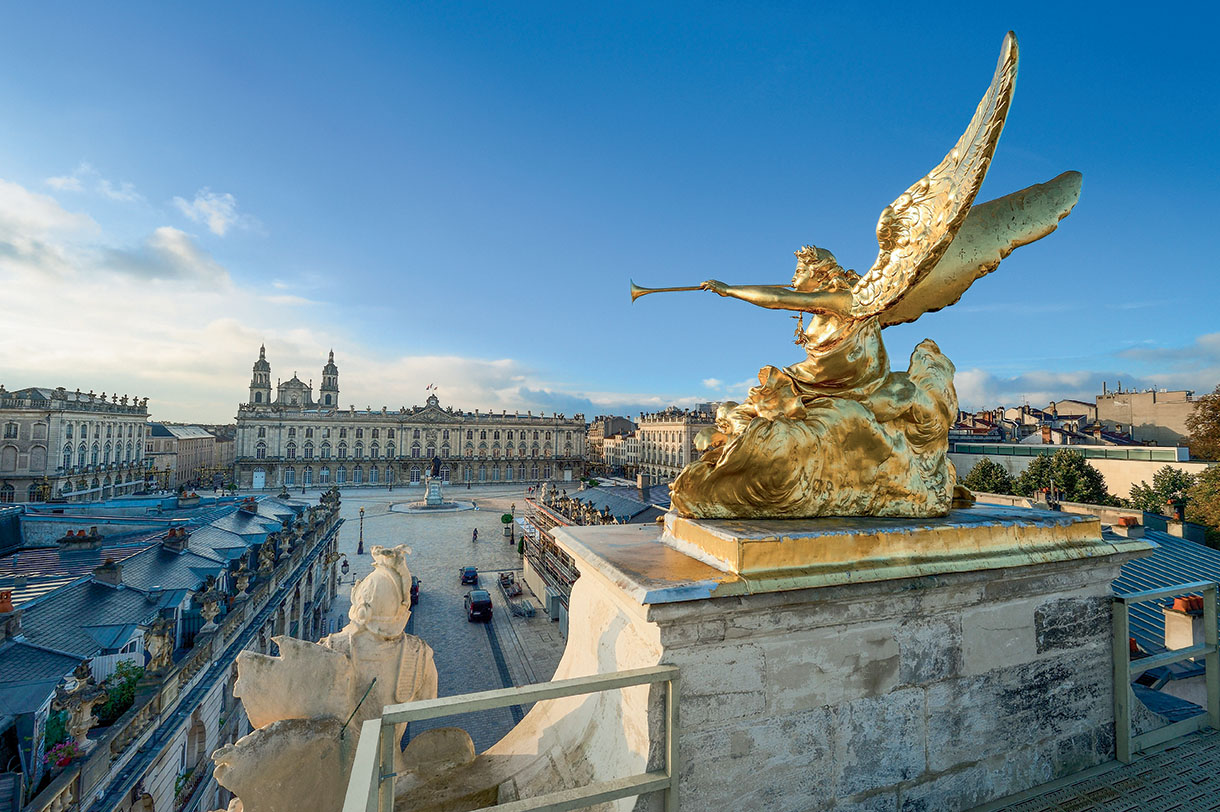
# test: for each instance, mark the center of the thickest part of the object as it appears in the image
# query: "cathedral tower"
(328, 394)
(260, 383)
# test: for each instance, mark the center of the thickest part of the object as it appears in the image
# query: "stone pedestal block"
(928, 664)
(862, 664)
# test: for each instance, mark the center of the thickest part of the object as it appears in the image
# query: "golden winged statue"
(839, 433)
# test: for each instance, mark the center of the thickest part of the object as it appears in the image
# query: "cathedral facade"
(290, 438)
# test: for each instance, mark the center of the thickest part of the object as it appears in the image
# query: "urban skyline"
(459, 197)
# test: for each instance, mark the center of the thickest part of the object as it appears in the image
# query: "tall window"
(260, 451)
(483, 434)
(309, 451)
(469, 434)
(342, 434)
(359, 433)
(325, 451)
(292, 451)
(94, 454)
(373, 475)
(292, 432)
(262, 431)
(376, 433)
(342, 451)
(389, 451)
(69, 428)
(445, 434)
(10, 431)
(325, 476)
(375, 450)
(415, 434)
(67, 456)
(290, 476)
(389, 434)
(308, 433)
(359, 451)
(415, 450)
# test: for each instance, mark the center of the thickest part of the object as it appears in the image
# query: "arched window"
(292, 451)
(375, 450)
(67, 455)
(342, 450)
(414, 474)
(262, 431)
(415, 450)
(93, 454)
(290, 476)
(324, 479)
(359, 450)
(373, 475)
(308, 476)
(444, 452)
(6, 493)
(444, 473)
(357, 476)
(129, 450)
(521, 471)
(325, 451)
(258, 397)
(260, 451)
(106, 453)
(389, 451)
(81, 458)
(534, 471)
(327, 401)
(33, 494)
(308, 450)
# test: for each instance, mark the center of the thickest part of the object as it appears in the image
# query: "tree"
(1203, 501)
(988, 476)
(1168, 484)
(1204, 426)
(121, 690)
(1069, 475)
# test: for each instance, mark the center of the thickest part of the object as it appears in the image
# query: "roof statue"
(839, 433)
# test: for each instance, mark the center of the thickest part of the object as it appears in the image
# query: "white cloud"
(218, 211)
(168, 254)
(713, 383)
(86, 177)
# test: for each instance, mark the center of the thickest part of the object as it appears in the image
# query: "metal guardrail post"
(1122, 682)
(672, 763)
(1211, 639)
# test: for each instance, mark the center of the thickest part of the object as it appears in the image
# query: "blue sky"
(458, 194)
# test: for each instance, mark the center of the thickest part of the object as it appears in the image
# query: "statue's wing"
(992, 231)
(915, 230)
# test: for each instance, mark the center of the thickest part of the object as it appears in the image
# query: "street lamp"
(360, 546)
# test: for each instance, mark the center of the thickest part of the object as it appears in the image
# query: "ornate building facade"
(74, 445)
(667, 441)
(294, 440)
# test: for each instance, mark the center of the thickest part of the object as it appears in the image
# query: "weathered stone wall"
(925, 694)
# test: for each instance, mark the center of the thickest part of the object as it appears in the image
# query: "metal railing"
(371, 785)
(1125, 669)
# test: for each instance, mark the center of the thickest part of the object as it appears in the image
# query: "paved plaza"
(469, 656)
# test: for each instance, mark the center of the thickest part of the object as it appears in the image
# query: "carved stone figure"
(79, 695)
(266, 557)
(839, 433)
(297, 701)
(159, 643)
(241, 580)
(209, 599)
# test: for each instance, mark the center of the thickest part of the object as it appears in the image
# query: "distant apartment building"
(621, 453)
(604, 426)
(72, 445)
(181, 455)
(1150, 416)
(667, 441)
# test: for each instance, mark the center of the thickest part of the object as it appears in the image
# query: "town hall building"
(294, 439)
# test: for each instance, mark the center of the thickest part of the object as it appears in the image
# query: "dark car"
(478, 605)
(470, 575)
(414, 590)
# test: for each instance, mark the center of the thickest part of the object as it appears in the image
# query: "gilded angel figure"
(839, 433)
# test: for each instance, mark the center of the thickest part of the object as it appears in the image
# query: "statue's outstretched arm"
(775, 297)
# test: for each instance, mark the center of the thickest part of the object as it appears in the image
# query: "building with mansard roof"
(71, 445)
(297, 439)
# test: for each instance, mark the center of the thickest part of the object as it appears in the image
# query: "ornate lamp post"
(360, 545)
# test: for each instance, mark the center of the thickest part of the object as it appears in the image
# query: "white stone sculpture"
(298, 702)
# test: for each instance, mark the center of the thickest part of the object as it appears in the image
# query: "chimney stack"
(1184, 622)
(10, 618)
(175, 539)
(1177, 509)
(641, 484)
(110, 573)
(1046, 435)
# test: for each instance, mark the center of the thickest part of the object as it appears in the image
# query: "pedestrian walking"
(475, 535)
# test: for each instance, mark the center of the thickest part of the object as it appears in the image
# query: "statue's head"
(381, 601)
(818, 270)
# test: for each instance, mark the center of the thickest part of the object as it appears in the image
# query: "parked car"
(414, 590)
(470, 575)
(478, 605)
